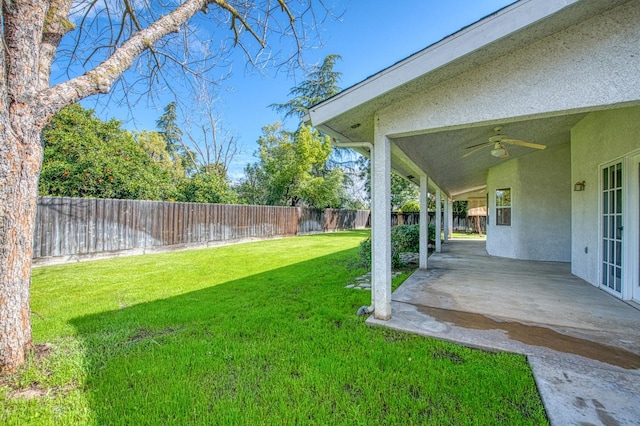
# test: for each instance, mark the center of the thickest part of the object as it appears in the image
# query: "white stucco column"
(424, 222)
(438, 220)
(381, 227)
(449, 219)
(447, 212)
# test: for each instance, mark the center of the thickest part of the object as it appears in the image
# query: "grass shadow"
(284, 347)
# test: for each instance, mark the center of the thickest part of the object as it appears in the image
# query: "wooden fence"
(460, 223)
(69, 229)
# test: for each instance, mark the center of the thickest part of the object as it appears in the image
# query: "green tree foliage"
(460, 208)
(402, 191)
(169, 129)
(206, 187)
(172, 133)
(86, 157)
(155, 145)
(321, 84)
(294, 167)
(292, 170)
(410, 207)
(253, 189)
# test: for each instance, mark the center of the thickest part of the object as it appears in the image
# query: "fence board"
(75, 226)
(460, 223)
(85, 227)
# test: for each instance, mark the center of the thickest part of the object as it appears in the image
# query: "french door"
(620, 228)
(634, 225)
(612, 228)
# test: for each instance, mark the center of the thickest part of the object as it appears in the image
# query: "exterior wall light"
(579, 186)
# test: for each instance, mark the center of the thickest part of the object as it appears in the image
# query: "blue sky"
(370, 36)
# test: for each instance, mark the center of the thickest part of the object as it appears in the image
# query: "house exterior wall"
(599, 138)
(546, 77)
(540, 206)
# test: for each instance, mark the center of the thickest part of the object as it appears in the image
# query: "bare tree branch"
(101, 78)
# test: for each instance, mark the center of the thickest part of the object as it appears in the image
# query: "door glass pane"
(612, 202)
(612, 228)
(611, 277)
(612, 232)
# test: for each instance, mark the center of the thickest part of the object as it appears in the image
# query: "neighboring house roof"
(449, 67)
(477, 207)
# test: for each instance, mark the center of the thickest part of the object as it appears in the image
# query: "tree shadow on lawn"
(285, 347)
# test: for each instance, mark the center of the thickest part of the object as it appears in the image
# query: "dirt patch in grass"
(36, 389)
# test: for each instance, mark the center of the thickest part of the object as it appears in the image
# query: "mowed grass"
(256, 333)
(462, 235)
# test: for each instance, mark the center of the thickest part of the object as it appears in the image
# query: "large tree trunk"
(20, 162)
(31, 33)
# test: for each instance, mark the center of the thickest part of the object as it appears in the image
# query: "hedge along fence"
(71, 229)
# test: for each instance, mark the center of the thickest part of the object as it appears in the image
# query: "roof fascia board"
(486, 31)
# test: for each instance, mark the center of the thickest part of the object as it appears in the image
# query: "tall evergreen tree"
(321, 84)
(169, 129)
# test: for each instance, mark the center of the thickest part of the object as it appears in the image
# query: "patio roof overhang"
(349, 116)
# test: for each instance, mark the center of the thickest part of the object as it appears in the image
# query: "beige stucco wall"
(534, 80)
(599, 138)
(541, 206)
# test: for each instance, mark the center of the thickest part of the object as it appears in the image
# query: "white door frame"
(631, 291)
(606, 250)
(630, 288)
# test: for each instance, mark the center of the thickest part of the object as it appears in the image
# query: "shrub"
(432, 232)
(404, 238)
(410, 207)
(364, 252)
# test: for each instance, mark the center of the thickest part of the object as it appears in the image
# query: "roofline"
(467, 40)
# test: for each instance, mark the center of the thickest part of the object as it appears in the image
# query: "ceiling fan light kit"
(499, 150)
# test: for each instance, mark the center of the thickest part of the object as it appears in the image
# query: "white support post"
(450, 218)
(381, 230)
(424, 222)
(447, 212)
(438, 220)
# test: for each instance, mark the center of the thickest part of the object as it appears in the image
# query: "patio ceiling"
(437, 151)
(440, 154)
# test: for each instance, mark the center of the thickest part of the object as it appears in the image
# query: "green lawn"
(256, 333)
(468, 236)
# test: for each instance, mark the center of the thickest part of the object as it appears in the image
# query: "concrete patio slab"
(583, 344)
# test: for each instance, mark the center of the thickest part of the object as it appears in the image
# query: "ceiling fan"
(497, 142)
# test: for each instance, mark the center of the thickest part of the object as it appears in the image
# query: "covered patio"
(582, 343)
(535, 112)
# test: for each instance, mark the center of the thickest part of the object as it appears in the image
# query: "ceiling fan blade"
(478, 148)
(523, 143)
(478, 144)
